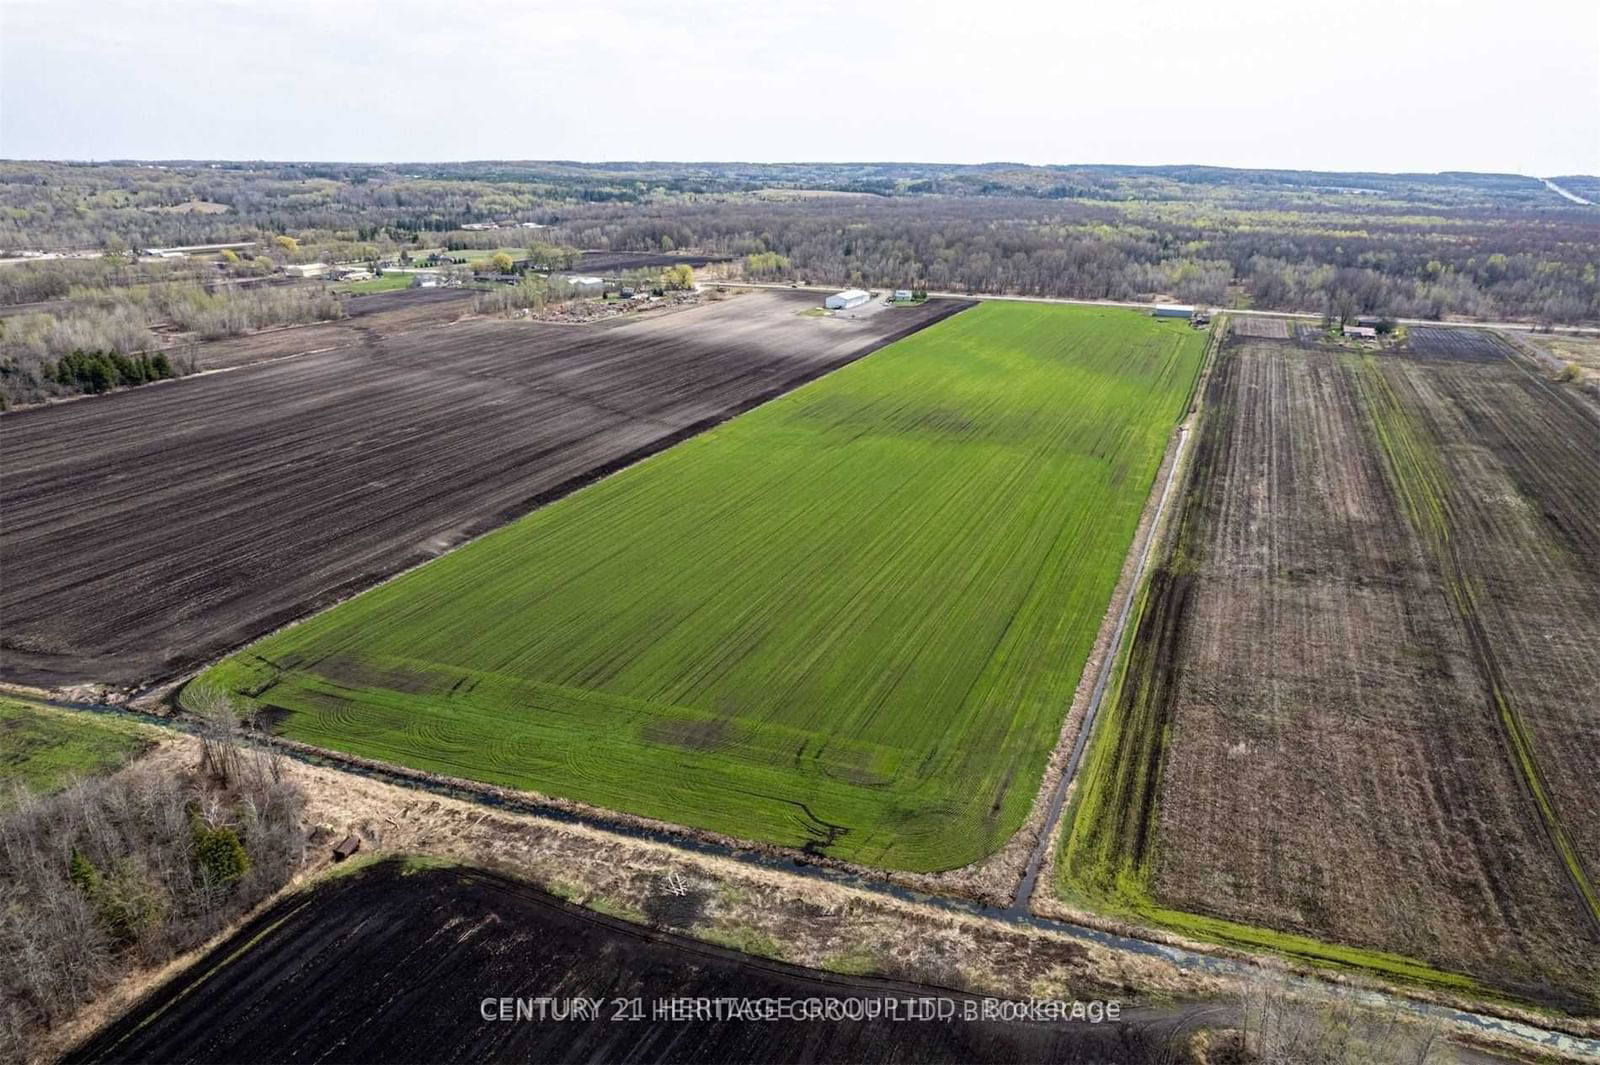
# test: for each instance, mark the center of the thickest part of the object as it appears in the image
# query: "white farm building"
(843, 301)
(1174, 310)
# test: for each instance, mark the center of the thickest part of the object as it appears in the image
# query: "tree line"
(101, 371)
(1529, 265)
(1412, 245)
(114, 337)
(132, 870)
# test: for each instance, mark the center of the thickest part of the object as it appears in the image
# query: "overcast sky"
(1393, 85)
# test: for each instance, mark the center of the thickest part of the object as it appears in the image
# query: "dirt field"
(401, 962)
(161, 526)
(761, 910)
(1250, 325)
(1376, 652)
(368, 319)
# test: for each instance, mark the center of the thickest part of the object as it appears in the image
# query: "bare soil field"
(1374, 652)
(1249, 325)
(392, 964)
(367, 319)
(1455, 345)
(150, 530)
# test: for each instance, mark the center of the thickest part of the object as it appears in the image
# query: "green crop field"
(850, 620)
(44, 748)
(387, 283)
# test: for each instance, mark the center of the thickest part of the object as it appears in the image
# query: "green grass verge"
(850, 620)
(45, 749)
(744, 940)
(1109, 840)
(387, 283)
(860, 960)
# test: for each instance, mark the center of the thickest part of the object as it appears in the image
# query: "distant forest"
(1488, 246)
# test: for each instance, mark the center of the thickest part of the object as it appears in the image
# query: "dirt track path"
(1021, 902)
(369, 791)
(431, 945)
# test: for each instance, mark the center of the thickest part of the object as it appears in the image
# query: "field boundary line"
(1311, 316)
(1044, 849)
(167, 688)
(1196, 956)
(1126, 905)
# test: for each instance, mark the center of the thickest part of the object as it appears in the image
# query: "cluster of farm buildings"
(844, 300)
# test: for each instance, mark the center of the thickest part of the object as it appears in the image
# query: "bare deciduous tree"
(109, 873)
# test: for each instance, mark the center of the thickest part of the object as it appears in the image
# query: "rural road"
(1016, 912)
(1310, 316)
(1189, 960)
(1058, 796)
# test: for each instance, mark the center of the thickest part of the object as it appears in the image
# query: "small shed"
(587, 285)
(843, 301)
(1361, 332)
(902, 295)
(424, 279)
(347, 846)
(1173, 310)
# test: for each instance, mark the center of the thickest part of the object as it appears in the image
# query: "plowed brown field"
(391, 964)
(149, 530)
(368, 319)
(1375, 655)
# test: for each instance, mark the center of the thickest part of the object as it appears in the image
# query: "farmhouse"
(1173, 310)
(306, 269)
(424, 279)
(843, 301)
